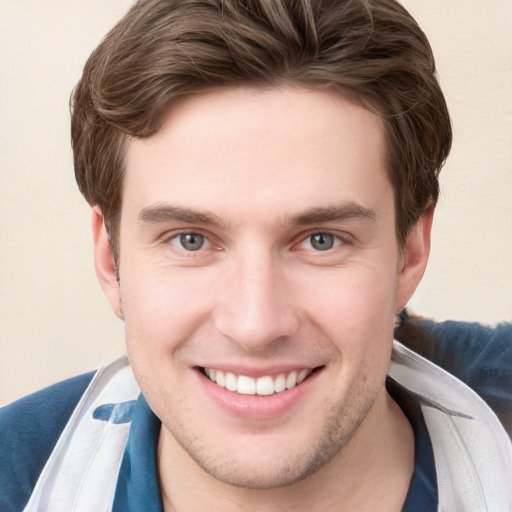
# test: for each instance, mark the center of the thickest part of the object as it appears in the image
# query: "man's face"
(257, 243)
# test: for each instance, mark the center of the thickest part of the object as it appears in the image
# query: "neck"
(379, 457)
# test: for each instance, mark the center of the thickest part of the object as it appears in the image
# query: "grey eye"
(191, 241)
(322, 241)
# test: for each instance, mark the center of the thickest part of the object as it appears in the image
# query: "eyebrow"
(168, 213)
(346, 211)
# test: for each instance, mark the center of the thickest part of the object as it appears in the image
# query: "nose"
(256, 307)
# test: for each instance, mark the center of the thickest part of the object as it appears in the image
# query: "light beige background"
(54, 321)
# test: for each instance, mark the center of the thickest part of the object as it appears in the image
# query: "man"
(263, 176)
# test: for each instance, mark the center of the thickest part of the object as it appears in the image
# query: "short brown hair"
(163, 50)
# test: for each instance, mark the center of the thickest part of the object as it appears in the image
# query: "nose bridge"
(257, 309)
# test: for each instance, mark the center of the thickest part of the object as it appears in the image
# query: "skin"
(257, 173)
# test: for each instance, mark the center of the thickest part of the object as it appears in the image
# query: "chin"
(276, 463)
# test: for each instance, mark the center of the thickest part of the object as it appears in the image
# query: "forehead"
(279, 150)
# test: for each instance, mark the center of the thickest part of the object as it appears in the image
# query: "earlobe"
(414, 259)
(104, 262)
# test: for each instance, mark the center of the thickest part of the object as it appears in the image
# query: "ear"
(414, 259)
(104, 262)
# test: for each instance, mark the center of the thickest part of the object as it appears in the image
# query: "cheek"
(162, 308)
(355, 291)
(163, 311)
(353, 306)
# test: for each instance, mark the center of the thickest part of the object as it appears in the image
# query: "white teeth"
(280, 383)
(220, 379)
(264, 386)
(246, 385)
(231, 381)
(291, 380)
(302, 375)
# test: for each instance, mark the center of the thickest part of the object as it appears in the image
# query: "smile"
(264, 386)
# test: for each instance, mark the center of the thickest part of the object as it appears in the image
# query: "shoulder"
(479, 355)
(29, 429)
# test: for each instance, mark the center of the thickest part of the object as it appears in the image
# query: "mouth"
(265, 385)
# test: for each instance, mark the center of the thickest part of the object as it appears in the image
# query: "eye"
(190, 241)
(321, 241)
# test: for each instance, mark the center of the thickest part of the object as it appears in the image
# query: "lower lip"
(256, 407)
